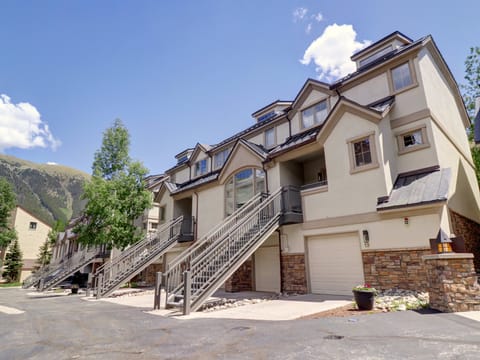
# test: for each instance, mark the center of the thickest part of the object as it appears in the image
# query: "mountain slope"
(50, 192)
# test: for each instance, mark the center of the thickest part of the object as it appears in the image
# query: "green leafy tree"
(116, 194)
(7, 204)
(471, 90)
(13, 263)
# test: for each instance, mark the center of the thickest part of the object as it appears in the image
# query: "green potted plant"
(364, 296)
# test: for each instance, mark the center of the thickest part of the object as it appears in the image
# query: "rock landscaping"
(387, 300)
(401, 300)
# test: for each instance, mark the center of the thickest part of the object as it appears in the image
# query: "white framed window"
(401, 77)
(362, 153)
(220, 158)
(412, 140)
(200, 168)
(314, 115)
(241, 187)
(375, 56)
(270, 138)
(153, 226)
(32, 225)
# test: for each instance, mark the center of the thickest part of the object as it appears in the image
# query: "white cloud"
(51, 163)
(21, 127)
(308, 29)
(331, 51)
(299, 14)
(318, 17)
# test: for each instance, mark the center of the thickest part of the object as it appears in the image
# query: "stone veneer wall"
(470, 230)
(241, 280)
(293, 273)
(149, 274)
(399, 268)
(452, 282)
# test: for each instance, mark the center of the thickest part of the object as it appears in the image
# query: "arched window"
(241, 187)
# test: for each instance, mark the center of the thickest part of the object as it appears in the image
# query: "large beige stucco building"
(382, 162)
(31, 233)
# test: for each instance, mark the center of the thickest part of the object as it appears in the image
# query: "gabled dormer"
(271, 110)
(184, 156)
(200, 160)
(380, 49)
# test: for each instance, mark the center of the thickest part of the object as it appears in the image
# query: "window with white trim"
(375, 56)
(241, 187)
(401, 77)
(413, 139)
(200, 168)
(362, 153)
(220, 158)
(270, 140)
(314, 115)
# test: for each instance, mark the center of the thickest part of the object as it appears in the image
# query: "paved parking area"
(67, 327)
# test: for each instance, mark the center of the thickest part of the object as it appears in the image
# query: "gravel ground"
(387, 300)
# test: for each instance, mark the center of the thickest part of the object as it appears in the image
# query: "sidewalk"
(282, 309)
(285, 308)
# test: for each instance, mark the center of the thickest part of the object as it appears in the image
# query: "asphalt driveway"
(67, 327)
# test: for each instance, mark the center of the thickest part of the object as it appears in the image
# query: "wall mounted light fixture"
(366, 238)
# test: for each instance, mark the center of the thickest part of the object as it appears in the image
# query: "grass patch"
(7, 285)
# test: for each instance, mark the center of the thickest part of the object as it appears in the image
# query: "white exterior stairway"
(111, 275)
(197, 273)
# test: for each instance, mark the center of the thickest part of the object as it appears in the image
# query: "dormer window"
(220, 158)
(314, 115)
(375, 56)
(200, 167)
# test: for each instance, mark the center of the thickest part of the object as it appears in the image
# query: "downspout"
(289, 126)
(266, 176)
(195, 220)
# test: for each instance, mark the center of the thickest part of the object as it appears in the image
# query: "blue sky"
(182, 72)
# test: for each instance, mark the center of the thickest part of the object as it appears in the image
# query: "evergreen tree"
(44, 255)
(116, 194)
(7, 204)
(13, 263)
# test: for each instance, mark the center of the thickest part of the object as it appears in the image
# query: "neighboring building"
(381, 159)
(32, 233)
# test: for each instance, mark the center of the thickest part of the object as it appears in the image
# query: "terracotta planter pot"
(365, 299)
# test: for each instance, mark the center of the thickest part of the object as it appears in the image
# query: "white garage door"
(335, 264)
(267, 269)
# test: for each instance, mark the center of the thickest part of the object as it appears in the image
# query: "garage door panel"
(335, 264)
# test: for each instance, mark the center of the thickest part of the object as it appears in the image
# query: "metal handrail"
(219, 258)
(141, 243)
(109, 276)
(220, 228)
(173, 275)
(66, 267)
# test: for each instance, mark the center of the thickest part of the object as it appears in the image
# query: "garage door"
(267, 269)
(335, 264)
